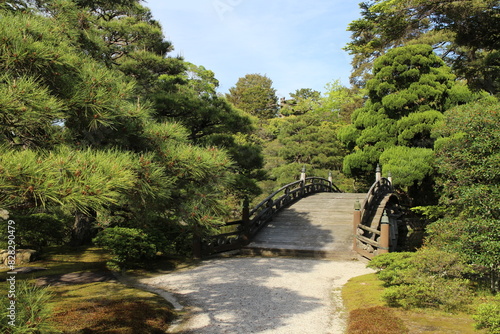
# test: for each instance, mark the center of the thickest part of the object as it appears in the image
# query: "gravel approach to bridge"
(261, 295)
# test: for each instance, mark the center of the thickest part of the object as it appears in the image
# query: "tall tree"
(410, 88)
(302, 101)
(191, 99)
(255, 95)
(79, 126)
(308, 135)
(468, 161)
(464, 33)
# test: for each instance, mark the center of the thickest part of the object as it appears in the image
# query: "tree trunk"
(81, 233)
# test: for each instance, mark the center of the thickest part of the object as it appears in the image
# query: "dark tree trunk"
(82, 231)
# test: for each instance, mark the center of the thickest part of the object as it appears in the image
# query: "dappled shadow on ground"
(246, 295)
(76, 278)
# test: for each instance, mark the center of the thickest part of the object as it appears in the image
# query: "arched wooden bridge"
(312, 217)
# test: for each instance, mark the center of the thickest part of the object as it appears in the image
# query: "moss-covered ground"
(369, 314)
(96, 307)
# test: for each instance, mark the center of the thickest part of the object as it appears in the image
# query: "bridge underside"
(319, 225)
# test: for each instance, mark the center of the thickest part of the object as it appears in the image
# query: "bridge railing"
(378, 190)
(375, 226)
(254, 220)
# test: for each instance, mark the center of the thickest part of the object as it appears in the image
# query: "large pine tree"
(410, 89)
(80, 138)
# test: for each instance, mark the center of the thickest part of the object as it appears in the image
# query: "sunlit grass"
(100, 307)
(369, 314)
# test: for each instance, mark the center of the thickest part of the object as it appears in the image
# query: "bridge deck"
(319, 225)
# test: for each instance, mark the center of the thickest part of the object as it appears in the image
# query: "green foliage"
(467, 159)
(78, 180)
(488, 316)
(130, 247)
(308, 136)
(32, 310)
(429, 278)
(430, 292)
(38, 230)
(408, 165)
(211, 120)
(476, 240)
(61, 84)
(88, 96)
(468, 151)
(410, 89)
(301, 102)
(254, 94)
(463, 32)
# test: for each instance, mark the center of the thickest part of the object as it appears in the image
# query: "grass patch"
(437, 322)
(99, 307)
(363, 292)
(62, 260)
(375, 320)
(369, 314)
(109, 308)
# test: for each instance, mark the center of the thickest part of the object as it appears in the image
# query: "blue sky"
(296, 43)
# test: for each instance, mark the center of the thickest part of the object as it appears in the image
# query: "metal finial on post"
(378, 173)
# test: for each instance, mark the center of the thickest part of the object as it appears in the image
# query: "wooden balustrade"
(258, 217)
(375, 223)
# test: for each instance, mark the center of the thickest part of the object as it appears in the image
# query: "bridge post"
(356, 220)
(378, 173)
(303, 174)
(302, 181)
(389, 177)
(384, 234)
(197, 247)
(245, 218)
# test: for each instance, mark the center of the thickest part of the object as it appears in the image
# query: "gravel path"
(261, 295)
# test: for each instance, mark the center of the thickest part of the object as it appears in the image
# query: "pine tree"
(410, 88)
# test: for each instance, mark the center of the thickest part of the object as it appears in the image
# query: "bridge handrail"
(294, 191)
(264, 212)
(311, 180)
(377, 191)
(370, 238)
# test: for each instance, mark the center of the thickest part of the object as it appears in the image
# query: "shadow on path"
(256, 295)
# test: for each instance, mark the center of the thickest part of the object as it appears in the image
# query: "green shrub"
(32, 311)
(37, 230)
(391, 266)
(429, 292)
(488, 316)
(130, 247)
(429, 278)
